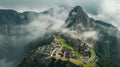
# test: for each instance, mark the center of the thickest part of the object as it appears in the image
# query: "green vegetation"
(106, 62)
(64, 44)
(92, 54)
(90, 65)
(77, 62)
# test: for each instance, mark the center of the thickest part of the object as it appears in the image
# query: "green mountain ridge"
(64, 49)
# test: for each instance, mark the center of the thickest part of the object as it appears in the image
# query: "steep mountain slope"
(10, 20)
(14, 18)
(63, 51)
(107, 45)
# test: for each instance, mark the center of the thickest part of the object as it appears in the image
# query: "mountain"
(12, 20)
(17, 30)
(107, 46)
(88, 42)
(62, 51)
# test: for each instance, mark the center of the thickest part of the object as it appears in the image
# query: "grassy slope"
(64, 44)
(78, 61)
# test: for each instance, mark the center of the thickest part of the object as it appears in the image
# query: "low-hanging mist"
(15, 46)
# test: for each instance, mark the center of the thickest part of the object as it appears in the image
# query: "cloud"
(5, 63)
(47, 23)
(109, 11)
(89, 34)
(14, 47)
(37, 5)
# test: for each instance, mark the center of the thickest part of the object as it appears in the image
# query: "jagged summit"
(80, 22)
(77, 15)
(77, 9)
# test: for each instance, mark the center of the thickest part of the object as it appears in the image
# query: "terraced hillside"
(63, 49)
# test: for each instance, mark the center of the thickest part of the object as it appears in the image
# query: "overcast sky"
(106, 10)
(25, 5)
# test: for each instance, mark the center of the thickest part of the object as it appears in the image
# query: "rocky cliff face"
(11, 17)
(11, 20)
(76, 16)
(107, 46)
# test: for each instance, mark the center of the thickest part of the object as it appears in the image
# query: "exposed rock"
(107, 45)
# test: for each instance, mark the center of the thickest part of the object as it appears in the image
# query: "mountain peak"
(77, 15)
(78, 9)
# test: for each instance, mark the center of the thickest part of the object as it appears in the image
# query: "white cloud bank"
(109, 11)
